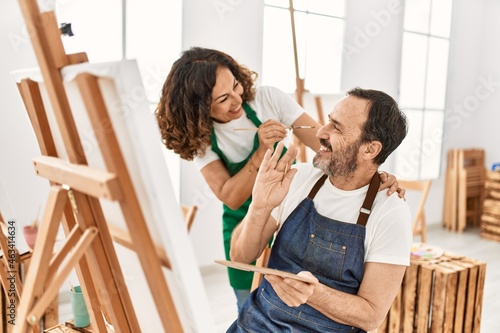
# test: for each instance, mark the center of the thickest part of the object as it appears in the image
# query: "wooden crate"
(490, 218)
(444, 295)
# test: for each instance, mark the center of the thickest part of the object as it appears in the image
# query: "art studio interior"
(105, 229)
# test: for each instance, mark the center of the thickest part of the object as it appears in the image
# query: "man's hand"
(274, 177)
(293, 292)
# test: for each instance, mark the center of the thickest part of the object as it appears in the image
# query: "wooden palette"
(263, 270)
(422, 251)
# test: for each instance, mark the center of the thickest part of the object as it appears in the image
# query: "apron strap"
(365, 210)
(316, 187)
(251, 114)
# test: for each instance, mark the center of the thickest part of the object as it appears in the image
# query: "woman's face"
(226, 97)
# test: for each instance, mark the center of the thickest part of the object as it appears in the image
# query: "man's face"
(341, 138)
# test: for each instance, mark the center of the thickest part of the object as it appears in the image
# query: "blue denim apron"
(331, 250)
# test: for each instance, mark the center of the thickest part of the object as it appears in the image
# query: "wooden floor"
(468, 243)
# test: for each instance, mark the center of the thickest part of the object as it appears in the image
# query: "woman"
(207, 105)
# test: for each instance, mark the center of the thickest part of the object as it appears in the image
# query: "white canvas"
(139, 139)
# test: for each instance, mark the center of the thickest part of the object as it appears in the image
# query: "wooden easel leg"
(30, 93)
(37, 274)
(112, 291)
(319, 110)
(84, 275)
(423, 228)
(52, 288)
(3, 318)
(301, 156)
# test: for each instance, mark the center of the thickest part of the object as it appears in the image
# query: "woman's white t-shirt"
(269, 103)
(388, 236)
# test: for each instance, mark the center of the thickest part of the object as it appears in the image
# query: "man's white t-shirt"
(388, 230)
(269, 103)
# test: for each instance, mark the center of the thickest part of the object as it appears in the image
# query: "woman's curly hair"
(183, 113)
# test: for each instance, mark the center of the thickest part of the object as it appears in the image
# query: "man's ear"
(372, 149)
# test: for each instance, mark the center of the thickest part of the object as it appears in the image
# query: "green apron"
(230, 218)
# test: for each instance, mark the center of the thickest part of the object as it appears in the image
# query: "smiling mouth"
(325, 146)
(236, 110)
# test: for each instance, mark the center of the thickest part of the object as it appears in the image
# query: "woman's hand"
(269, 133)
(389, 182)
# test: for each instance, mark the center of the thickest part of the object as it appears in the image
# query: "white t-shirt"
(269, 103)
(388, 230)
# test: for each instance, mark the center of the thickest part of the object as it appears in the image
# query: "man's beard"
(342, 163)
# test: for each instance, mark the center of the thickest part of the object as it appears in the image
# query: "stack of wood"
(490, 219)
(438, 295)
(464, 190)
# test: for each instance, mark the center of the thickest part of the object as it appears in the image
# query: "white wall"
(478, 91)
(372, 47)
(26, 192)
(371, 54)
(234, 27)
(472, 108)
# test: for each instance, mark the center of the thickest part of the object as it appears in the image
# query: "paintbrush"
(256, 128)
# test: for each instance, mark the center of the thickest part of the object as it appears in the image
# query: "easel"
(88, 246)
(300, 88)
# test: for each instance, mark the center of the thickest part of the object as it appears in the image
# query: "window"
(153, 37)
(424, 70)
(108, 31)
(114, 33)
(319, 30)
(97, 28)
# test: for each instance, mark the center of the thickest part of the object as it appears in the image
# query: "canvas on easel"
(102, 155)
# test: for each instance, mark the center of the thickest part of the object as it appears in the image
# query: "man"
(352, 241)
